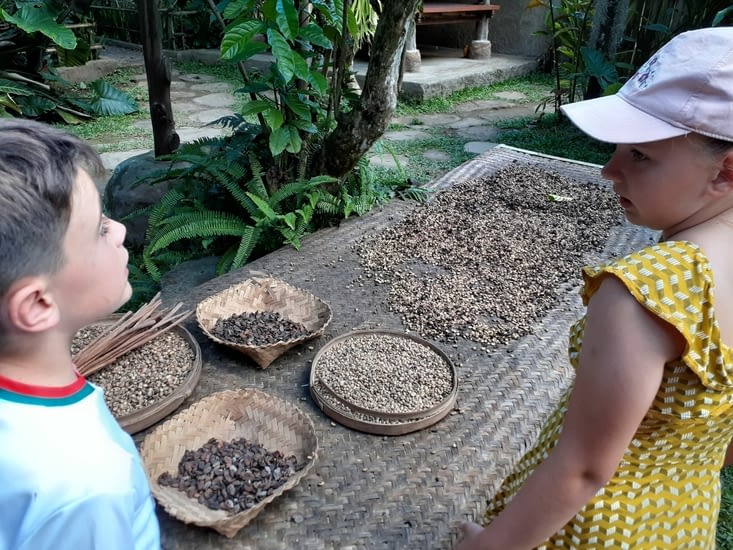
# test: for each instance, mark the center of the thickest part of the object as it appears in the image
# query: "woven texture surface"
(413, 490)
(265, 294)
(254, 415)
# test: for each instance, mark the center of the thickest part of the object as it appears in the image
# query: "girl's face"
(92, 282)
(663, 185)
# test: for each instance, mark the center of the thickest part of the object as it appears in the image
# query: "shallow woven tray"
(265, 294)
(347, 413)
(260, 418)
(143, 418)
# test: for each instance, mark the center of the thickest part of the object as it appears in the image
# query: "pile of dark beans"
(258, 329)
(231, 476)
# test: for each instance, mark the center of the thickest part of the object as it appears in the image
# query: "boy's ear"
(30, 307)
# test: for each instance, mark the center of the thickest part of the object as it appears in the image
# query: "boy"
(70, 477)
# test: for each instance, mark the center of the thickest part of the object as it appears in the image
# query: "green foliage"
(652, 24)
(724, 535)
(218, 203)
(36, 100)
(366, 188)
(648, 26)
(365, 20)
(245, 195)
(31, 91)
(568, 24)
(298, 97)
(598, 66)
(552, 135)
(32, 17)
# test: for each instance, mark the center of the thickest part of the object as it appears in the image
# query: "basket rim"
(376, 428)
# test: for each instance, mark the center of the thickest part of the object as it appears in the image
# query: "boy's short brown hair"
(38, 167)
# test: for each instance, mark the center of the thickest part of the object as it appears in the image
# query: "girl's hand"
(470, 531)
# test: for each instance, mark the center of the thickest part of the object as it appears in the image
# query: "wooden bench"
(441, 13)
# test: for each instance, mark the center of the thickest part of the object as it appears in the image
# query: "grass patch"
(225, 72)
(551, 136)
(420, 169)
(112, 127)
(536, 87)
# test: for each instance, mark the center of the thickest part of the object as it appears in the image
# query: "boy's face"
(92, 282)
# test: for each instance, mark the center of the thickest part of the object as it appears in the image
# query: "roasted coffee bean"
(258, 328)
(251, 474)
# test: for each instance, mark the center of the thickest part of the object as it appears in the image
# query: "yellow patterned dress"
(666, 491)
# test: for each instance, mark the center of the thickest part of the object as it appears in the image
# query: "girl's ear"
(723, 182)
(30, 307)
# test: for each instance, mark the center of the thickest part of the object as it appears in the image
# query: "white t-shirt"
(70, 477)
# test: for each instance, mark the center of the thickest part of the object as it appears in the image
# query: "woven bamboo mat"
(411, 491)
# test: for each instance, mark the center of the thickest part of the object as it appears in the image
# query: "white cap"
(687, 86)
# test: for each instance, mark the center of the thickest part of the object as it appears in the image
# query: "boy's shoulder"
(76, 412)
(69, 453)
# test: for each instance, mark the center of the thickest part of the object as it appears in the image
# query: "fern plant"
(218, 205)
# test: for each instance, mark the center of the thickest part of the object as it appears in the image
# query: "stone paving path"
(199, 99)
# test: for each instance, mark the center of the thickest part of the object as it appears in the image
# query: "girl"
(631, 457)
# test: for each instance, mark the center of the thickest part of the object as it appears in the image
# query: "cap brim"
(613, 120)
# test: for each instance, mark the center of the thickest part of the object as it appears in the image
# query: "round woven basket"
(374, 421)
(260, 418)
(145, 417)
(265, 295)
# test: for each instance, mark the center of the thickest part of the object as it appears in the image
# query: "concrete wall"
(511, 31)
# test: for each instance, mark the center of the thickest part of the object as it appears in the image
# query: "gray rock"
(129, 189)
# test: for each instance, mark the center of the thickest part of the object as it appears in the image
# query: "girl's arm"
(620, 369)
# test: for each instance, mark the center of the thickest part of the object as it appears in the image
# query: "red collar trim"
(42, 391)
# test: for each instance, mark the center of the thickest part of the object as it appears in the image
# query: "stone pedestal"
(479, 49)
(412, 61)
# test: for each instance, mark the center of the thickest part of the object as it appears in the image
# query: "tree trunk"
(607, 32)
(158, 74)
(357, 130)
